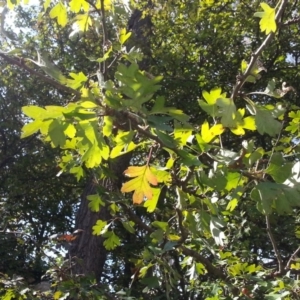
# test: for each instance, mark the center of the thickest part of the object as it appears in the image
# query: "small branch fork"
(256, 54)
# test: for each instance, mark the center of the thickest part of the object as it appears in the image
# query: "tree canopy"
(150, 149)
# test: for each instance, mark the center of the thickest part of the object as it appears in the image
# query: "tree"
(185, 131)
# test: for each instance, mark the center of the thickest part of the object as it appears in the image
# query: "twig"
(105, 38)
(40, 75)
(256, 54)
(136, 219)
(183, 232)
(292, 21)
(292, 258)
(275, 248)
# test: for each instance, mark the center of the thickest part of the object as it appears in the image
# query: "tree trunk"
(87, 251)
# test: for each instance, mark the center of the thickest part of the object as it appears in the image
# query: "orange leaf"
(140, 185)
(67, 237)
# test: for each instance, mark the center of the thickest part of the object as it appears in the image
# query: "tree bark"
(87, 251)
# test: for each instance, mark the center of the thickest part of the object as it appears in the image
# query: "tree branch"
(275, 248)
(211, 269)
(256, 54)
(54, 83)
(292, 21)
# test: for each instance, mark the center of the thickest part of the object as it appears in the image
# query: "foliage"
(209, 205)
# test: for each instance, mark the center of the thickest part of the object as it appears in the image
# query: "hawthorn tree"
(181, 119)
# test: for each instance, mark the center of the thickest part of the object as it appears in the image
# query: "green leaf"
(151, 282)
(112, 240)
(128, 225)
(78, 80)
(169, 245)
(9, 294)
(34, 112)
(100, 227)
(124, 143)
(233, 180)
(278, 168)
(95, 202)
(107, 126)
(92, 156)
(56, 133)
(234, 198)
(31, 128)
(228, 112)
(157, 235)
(265, 122)
(162, 225)
(77, 171)
(271, 195)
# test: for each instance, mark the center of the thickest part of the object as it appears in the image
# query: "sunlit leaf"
(140, 184)
(100, 227)
(59, 11)
(123, 35)
(76, 5)
(267, 22)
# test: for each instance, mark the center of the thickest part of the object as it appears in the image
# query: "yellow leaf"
(107, 4)
(238, 131)
(140, 184)
(151, 203)
(83, 22)
(57, 295)
(135, 171)
(12, 3)
(123, 35)
(267, 22)
(208, 134)
(249, 123)
(76, 5)
(217, 129)
(150, 177)
(59, 11)
(215, 93)
(46, 4)
(70, 131)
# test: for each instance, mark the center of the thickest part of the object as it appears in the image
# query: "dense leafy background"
(149, 115)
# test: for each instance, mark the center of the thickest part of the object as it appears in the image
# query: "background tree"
(209, 146)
